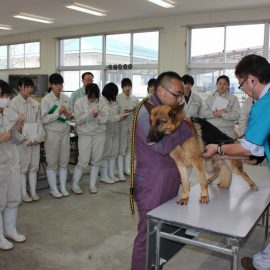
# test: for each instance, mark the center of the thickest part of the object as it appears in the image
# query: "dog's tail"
(209, 133)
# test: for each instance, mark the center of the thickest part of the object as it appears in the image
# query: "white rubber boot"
(104, 169)
(111, 170)
(10, 220)
(77, 174)
(51, 176)
(127, 164)
(4, 243)
(25, 197)
(120, 164)
(63, 181)
(94, 170)
(33, 183)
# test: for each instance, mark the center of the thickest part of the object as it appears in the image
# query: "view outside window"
(132, 55)
(215, 51)
(207, 45)
(239, 43)
(3, 57)
(91, 50)
(32, 55)
(20, 56)
(70, 52)
(145, 48)
(16, 56)
(118, 49)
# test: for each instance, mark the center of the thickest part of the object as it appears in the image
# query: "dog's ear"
(176, 110)
(149, 107)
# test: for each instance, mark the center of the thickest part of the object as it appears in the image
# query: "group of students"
(224, 118)
(102, 122)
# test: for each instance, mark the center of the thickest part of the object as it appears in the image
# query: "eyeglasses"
(240, 87)
(177, 95)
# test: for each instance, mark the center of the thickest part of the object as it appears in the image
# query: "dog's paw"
(254, 187)
(204, 199)
(182, 201)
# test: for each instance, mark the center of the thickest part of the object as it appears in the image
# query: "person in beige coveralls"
(32, 135)
(91, 115)
(54, 115)
(10, 193)
(126, 103)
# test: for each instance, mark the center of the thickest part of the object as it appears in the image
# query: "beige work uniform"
(57, 142)
(10, 185)
(91, 131)
(194, 106)
(111, 146)
(29, 155)
(228, 119)
(126, 103)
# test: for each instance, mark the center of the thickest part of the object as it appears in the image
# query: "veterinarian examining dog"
(157, 178)
(253, 74)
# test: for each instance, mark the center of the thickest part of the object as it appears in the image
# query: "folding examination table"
(231, 213)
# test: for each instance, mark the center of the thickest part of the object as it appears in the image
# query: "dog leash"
(132, 156)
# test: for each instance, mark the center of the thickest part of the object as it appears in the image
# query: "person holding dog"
(253, 74)
(157, 178)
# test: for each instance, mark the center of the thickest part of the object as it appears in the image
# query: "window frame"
(104, 67)
(24, 55)
(195, 68)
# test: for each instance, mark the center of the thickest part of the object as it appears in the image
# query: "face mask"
(4, 102)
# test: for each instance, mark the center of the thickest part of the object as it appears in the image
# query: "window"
(25, 55)
(110, 58)
(73, 80)
(118, 49)
(214, 51)
(3, 57)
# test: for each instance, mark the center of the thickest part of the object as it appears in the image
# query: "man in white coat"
(10, 191)
(193, 102)
(54, 115)
(127, 104)
(32, 135)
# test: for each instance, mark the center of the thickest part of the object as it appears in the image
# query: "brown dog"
(165, 120)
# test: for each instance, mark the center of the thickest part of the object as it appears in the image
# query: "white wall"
(172, 36)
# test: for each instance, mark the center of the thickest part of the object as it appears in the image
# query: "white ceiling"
(117, 10)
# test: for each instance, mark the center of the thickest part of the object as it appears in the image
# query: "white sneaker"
(65, 193)
(76, 189)
(27, 199)
(35, 197)
(107, 181)
(93, 190)
(5, 244)
(56, 195)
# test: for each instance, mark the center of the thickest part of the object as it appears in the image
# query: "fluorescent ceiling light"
(162, 3)
(5, 27)
(34, 18)
(86, 9)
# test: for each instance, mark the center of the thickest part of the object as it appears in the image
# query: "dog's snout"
(151, 138)
(154, 137)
